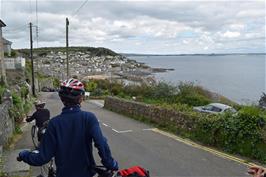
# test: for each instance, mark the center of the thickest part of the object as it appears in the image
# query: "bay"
(240, 78)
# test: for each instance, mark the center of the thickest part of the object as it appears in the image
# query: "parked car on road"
(215, 108)
(47, 89)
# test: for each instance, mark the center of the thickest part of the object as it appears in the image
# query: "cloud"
(251, 13)
(231, 34)
(142, 26)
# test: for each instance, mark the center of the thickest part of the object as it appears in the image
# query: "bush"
(2, 90)
(97, 92)
(21, 105)
(242, 133)
(90, 86)
(24, 92)
(17, 110)
(27, 107)
(164, 91)
(142, 90)
(262, 101)
(13, 53)
(56, 83)
(102, 84)
(116, 88)
(17, 101)
(191, 95)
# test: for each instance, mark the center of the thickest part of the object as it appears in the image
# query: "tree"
(56, 83)
(90, 86)
(262, 101)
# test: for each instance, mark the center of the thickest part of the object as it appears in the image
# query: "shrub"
(97, 92)
(17, 110)
(24, 92)
(242, 133)
(27, 107)
(102, 84)
(164, 91)
(116, 88)
(90, 86)
(13, 53)
(56, 83)
(262, 101)
(17, 101)
(2, 81)
(142, 90)
(191, 95)
(2, 89)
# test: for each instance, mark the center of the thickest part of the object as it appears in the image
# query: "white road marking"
(123, 131)
(147, 129)
(115, 130)
(105, 125)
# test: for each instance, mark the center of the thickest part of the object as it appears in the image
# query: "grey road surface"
(134, 143)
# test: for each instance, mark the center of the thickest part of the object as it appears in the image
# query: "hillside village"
(91, 63)
(83, 63)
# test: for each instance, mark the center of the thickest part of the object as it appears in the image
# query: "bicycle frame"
(34, 130)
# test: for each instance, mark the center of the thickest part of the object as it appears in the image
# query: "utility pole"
(67, 24)
(38, 64)
(31, 57)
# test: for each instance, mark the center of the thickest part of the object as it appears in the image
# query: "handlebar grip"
(19, 159)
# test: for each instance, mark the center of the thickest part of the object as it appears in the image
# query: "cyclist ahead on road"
(41, 114)
(69, 138)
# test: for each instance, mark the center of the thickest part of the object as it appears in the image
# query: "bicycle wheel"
(45, 170)
(34, 136)
(48, 170)
(52, 170)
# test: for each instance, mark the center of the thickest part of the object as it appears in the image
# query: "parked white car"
(87, 95)
(215, 108)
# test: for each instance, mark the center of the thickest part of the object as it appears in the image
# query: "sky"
(146, 27)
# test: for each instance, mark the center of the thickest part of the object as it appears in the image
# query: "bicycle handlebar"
(19, 159)
(103, 171)
(100, 170)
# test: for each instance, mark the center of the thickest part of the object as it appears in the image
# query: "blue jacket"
(69, 138)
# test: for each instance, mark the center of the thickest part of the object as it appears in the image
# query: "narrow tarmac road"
(134, 143)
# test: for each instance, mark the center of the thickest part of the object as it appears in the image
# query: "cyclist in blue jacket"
(69, 138)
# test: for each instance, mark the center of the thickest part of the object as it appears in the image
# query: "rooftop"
(2, 24)
(6, 42)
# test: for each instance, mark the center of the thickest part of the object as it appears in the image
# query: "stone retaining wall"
(153, 113)
(7, 124)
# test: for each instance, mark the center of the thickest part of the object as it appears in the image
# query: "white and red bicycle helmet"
(71, 89)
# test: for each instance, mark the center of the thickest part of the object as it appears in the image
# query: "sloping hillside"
(100, 51)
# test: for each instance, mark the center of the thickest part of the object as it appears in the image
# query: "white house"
(15, 63)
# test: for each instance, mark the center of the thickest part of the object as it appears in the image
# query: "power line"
(30, 10)
(1, 8)
(76, 12)
(37, 24)
(15, 28)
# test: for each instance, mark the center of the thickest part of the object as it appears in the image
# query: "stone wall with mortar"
(153, 113)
